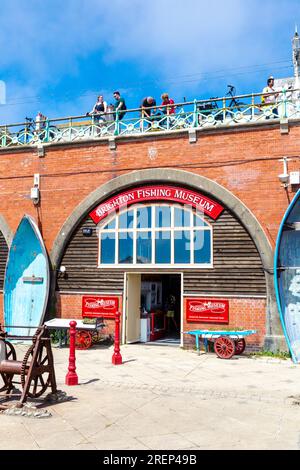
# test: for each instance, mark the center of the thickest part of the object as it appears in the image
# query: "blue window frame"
(163, 216)
(144, 217)
(108, 243)
(143, 248)
(125, 248)
(182, 247)
(202, 246)
(156, 235)
(163, 247)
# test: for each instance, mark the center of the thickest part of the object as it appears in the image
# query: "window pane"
(163, 247)
(143, 248)
(107, 248)
(202, 250)
(182, 246)
(163, 216)
(126, 220)
(126, 247)
(199, 222)
(143, 215)
(181, 218)
(111, 225)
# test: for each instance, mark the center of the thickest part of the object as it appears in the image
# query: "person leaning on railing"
(269, 97)
(99, 110)
(168, 108)
(150, 112)
(167, 101)
(146, 107)
(119, 106)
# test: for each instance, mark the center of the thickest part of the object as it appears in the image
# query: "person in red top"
(166, 101)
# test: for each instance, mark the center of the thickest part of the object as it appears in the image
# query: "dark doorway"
(161, 308)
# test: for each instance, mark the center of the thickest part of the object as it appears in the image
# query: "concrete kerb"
(196, 182)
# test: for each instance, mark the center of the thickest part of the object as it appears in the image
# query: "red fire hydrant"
(72, 377)
(117, 358)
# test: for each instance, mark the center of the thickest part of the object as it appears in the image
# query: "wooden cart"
(86, 334)
(226, 343)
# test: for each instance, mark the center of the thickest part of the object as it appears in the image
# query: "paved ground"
(166, 398)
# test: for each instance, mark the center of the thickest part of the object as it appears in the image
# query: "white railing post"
(284, 100)
(195, 112)
(70, 129)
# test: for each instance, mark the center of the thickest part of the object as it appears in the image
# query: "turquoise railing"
(197, 114)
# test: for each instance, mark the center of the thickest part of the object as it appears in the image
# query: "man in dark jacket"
(120, 105)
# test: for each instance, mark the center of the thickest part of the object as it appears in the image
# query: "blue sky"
(57, 56)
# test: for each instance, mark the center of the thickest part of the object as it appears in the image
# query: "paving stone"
(165, 398)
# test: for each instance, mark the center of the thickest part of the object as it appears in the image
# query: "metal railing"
(197, 114)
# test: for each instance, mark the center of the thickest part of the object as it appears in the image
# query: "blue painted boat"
(26, 282)
(287, 276)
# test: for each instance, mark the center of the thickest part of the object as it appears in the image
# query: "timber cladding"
(81, 258)
(237, 265)
(3, 258)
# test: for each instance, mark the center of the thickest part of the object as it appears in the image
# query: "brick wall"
(245, 162)
(247, 313)
(70, 306)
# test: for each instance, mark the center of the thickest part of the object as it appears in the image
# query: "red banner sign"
(207, 310)
(99, 306)
(157, 193)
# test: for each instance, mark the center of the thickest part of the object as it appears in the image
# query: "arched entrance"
(198, 183)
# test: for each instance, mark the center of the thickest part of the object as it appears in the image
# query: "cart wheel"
(240, 345)
(40, 380)
(83, 339)
(224, 347)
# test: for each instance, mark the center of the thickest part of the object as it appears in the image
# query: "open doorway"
(153, 308)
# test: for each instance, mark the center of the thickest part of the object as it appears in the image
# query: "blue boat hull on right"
(287, 276)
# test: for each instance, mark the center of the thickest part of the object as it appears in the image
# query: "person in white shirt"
(270, 99)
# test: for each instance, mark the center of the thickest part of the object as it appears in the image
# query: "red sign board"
(157, 193)
(207, 310)
(99, 306)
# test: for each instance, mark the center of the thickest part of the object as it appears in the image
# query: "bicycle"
(35, 131)
(211, 112)
(235, 105)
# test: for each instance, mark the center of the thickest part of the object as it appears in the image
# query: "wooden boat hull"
(26, 282)
(287, 276)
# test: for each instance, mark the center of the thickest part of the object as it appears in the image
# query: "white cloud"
(177, 36)
(41, 42)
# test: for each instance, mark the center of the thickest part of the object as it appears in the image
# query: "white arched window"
(159, 235)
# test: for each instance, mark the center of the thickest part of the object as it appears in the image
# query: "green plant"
(58, 336)
(89, 321)
(278, 354)
(54, 335)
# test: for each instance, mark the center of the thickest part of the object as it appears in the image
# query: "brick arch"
(6, 236)
(6, 231)
(274, 336)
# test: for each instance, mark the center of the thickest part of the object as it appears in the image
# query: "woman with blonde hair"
(167, 101)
